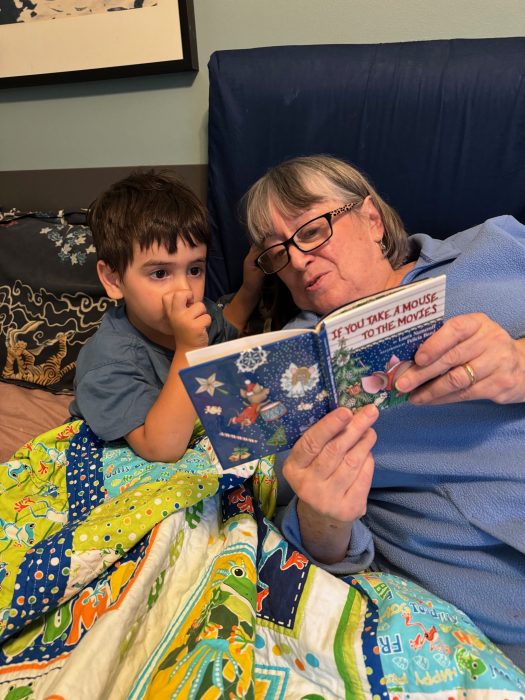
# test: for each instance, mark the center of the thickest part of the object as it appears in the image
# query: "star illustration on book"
(209, 385)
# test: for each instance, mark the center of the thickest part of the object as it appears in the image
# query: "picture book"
(256, 395)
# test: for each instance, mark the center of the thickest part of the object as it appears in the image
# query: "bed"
(121, 578)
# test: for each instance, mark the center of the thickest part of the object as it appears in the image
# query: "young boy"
(151, 234)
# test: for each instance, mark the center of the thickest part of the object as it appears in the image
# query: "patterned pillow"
(51, 300)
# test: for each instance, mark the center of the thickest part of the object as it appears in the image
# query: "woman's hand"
(240, 308)
(470, 357)
(252, 276)
(330, 469)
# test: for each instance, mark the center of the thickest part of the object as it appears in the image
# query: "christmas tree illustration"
(348, 372)
(278, 439)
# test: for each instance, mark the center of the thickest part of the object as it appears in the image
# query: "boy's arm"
(166, 432)
(240, 308)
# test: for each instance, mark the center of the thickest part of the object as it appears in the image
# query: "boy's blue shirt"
(120, 373)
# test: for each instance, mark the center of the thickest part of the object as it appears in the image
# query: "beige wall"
(163, 119)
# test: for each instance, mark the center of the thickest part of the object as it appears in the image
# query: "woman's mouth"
(314, 284)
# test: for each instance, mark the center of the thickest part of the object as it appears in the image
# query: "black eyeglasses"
(308, 237)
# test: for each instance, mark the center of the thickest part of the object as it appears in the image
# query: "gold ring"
(470, 373)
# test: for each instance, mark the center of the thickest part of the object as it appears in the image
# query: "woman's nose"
(298, 259)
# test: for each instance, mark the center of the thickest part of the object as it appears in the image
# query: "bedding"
(25, 413)
(47, 310)
(121, 578)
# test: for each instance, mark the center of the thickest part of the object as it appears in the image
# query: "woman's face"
(348, 266)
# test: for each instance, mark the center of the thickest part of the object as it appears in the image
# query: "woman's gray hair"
(299, 183)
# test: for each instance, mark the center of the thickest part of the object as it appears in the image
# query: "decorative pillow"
(51, 300)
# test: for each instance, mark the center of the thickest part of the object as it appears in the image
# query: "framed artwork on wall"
(59, 41)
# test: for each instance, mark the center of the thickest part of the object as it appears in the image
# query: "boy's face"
(153, 274)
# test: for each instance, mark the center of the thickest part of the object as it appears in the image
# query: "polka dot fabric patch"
(84, 473)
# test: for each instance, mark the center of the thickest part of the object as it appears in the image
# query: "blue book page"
(260, 400)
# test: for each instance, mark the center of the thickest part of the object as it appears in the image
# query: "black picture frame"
(80, 48)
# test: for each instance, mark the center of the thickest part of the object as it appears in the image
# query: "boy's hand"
(189, 321)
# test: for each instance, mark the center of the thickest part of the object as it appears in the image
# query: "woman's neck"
(394, 279)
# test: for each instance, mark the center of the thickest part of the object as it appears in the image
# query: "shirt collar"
(428, 253)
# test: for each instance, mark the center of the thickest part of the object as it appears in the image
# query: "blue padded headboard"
(438, 126)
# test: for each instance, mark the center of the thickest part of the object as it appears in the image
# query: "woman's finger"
(343, 496)
(335, 471)
(342, 459)
(487, 353)
(334, 434)
(445, 341)
(458, 384)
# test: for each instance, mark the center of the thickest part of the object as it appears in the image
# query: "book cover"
(258, 394)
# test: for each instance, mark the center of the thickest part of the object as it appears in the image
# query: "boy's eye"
(195, 271)
(159, 274)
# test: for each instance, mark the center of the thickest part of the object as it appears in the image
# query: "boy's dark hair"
(146, 207)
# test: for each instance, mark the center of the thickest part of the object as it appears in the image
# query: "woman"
(442, 498)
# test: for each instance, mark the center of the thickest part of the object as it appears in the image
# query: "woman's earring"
(382, 247)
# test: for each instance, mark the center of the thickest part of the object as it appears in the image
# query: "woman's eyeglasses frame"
(259, 261)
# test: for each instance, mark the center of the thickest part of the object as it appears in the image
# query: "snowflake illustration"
(250, 359)
(297, 381)
(305, 406)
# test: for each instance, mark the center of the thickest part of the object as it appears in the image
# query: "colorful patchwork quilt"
(121, 578)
